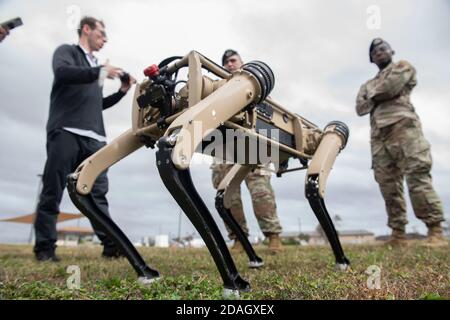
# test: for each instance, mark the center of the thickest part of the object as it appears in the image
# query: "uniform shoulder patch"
(403, 64)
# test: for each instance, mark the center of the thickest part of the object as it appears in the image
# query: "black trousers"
(65, 151)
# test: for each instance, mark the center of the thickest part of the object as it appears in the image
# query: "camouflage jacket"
(387, 96)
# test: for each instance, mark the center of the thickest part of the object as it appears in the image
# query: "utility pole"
(179, 226)
(30, 238)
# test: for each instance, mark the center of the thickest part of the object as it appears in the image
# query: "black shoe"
(112, 253)
(47, 256)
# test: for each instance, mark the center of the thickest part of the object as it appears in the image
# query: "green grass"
(297, 273)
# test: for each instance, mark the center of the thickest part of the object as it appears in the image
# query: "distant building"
(73, 236)
(316, 238)
(197, 243)
(291, 237)
(188, 241)
(162, 241)
(409, 236)
(356, 236)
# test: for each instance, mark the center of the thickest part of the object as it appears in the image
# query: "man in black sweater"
(75, 130)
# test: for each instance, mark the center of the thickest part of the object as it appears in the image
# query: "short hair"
(228, 53)
(91, 22)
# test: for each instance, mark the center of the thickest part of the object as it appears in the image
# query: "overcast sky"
(318, 51)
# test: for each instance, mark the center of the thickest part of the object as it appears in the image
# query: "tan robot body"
(182, 122)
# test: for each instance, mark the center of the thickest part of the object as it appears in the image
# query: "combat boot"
(435, 237)
(275, 245)
(237, 247)
(397, 239)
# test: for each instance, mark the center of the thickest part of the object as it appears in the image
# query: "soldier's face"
(381, 55)
(233, 63)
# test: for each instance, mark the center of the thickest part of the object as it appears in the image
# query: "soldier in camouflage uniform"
(399, 148)
(258, 183)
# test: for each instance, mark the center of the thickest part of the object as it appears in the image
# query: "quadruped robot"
(183, 117)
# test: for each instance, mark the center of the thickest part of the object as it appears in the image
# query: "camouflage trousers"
(263, 200)
(401, 151)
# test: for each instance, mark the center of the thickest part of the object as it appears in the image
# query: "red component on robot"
(151, 71)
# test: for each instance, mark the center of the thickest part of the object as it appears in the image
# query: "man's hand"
(3, 33)
(111, 71)
(127, 85)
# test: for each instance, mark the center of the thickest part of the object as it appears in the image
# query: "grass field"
(297, 273)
